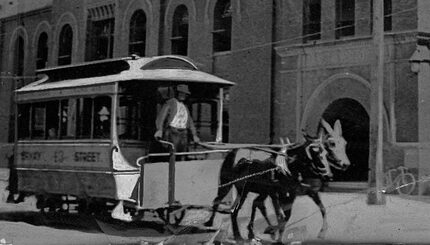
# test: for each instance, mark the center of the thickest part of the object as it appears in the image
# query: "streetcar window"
(102, 117)
(84, 112)
(24, 121)
(52, 119)
(205, 119)
(68, 118)
(128, 118)
(38, 120)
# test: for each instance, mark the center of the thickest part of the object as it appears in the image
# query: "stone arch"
(168, 19)
(42, 27)
(343, 85)
(66, 18)
(210, 6)
(132, 7)
(18, 31)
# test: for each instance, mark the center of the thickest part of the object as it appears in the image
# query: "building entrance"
(355, 130)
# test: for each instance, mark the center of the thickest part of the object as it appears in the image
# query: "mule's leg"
(240, 199)
(271, 229)
(263, 211)
(222, 192)
(258, 202)
(316, 198)
(286, 204)
(226, 175)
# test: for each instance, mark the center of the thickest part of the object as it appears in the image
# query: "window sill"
(222, 53)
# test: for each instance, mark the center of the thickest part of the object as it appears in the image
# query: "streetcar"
(85, 136)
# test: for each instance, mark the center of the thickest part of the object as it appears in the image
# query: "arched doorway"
(355, 129)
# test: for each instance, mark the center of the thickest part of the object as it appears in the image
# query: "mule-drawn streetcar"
(81, 129)
(85, 136)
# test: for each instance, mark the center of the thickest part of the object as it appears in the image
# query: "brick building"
(294, 61)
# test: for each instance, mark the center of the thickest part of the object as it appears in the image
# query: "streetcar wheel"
(406, 184)
(40, 203)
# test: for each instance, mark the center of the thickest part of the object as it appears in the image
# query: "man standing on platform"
(174, 122)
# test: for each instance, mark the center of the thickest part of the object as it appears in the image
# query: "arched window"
(180, 31)
(18, 61)
(65, 45)
(137, 39)
(222, 26)
(42, 51)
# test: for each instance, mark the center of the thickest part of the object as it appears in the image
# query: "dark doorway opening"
(355, 130)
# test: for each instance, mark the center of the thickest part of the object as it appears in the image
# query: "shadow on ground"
(85, 223)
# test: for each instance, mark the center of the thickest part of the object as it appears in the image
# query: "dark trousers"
(179, 138)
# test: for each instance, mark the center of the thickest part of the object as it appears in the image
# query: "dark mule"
(281, 185)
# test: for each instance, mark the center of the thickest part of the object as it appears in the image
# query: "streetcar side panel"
(196, 182)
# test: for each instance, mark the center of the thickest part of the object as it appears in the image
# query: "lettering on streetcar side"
(28, 155)
(58, 156)
(87, 156)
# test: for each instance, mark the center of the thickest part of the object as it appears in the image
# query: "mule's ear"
(338, 127)
(281, 140)
(327, 127)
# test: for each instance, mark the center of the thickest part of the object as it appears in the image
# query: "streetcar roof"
(169, 69)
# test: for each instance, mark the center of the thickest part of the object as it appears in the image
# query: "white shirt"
(181, 117)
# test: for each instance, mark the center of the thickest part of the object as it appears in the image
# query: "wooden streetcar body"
(105, 122)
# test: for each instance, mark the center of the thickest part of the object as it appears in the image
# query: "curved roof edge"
(168, 68)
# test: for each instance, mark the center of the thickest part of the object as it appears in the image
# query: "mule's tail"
(225, 176)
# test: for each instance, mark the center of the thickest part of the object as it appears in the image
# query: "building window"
(180, 31)
(18, 65)
(311, 20)
(345, 18)
(137, 38)
(42, 51)
(100, 39)
(222, 26)
(100, 33)
(65, 46)
(388, 11)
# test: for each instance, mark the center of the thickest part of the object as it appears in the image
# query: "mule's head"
(281, 160)
(317, 153)
(335, 145)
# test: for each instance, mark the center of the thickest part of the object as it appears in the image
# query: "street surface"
(350, 220)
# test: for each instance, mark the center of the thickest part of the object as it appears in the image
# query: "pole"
(172, 162)
(375, 195)
(220, 116)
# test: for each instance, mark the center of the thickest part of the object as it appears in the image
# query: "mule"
(335, 144)
(281, 185)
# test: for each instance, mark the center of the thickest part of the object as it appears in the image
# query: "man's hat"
(183, 88)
